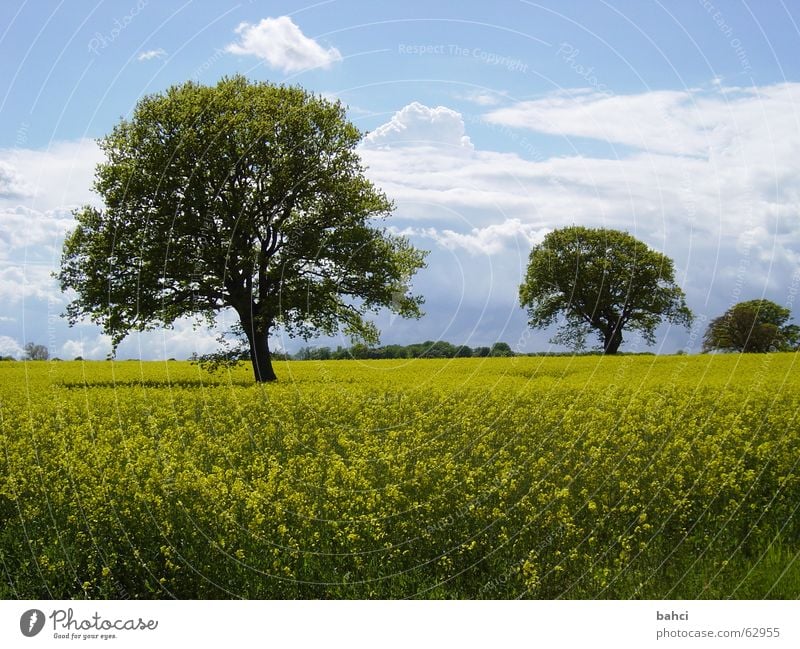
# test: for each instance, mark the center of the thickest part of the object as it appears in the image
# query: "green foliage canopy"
(242, 195)
(752, 326)
(601, 280)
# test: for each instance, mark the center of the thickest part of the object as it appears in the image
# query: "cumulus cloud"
(493, 238)
(56, 178)
(95, 347)
(39, 232)
(12, 185)
(419, 125)
(180, 342)
(489, 240)
(28, 281)
(10, 347)
(281, 44)
(151, 54)
(730, 190)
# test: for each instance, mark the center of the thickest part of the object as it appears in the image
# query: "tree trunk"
(612, 340)
(259, 353)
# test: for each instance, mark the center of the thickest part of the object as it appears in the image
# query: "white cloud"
(40, 232)
(12, 185)
(20, 282)
(421, 126)
(96, 347)
(721, 122)
(180, 342)
(151, 54)
(32, 230)
(485, 97)
(183, 339)
(655, 121)
(723, 191)
(10, 347)
(281, 44)
(489, 240)
(56, 178)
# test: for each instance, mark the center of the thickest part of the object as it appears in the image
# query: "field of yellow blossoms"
(575, 477)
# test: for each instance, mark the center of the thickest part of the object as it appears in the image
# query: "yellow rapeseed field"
(575, 477)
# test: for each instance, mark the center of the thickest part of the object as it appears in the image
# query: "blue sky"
(489, 124)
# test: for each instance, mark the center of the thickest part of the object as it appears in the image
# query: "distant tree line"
(427, 349)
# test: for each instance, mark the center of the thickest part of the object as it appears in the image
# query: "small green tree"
(501, 349)
(601, 280)
(34, 352)
(752, 326)
(246, 196)
(438, 349)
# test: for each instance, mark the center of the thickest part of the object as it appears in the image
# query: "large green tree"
(243, 195)
(752, 326)
(603, 281)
